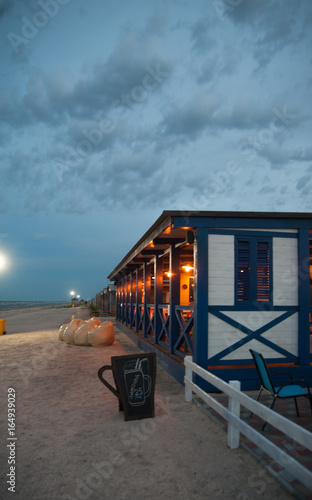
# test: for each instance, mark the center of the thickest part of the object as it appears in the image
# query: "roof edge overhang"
(168, 216)
(159, 225)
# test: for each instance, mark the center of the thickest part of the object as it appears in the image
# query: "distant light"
(3, 262)
(72, 293)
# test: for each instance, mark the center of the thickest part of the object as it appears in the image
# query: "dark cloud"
(155, 26)
(304, 184)
(131, 73)
(302, 154)
(275, 25)
(192, 118)
(201, 36)
(5, 7)
(208, 112)
(148, 107)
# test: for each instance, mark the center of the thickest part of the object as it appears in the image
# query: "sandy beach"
(73, 443)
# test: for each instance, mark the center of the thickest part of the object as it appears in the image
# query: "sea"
(20, 304)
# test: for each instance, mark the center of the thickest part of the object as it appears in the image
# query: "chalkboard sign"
(135, 377)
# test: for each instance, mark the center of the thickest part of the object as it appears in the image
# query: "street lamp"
(3, 262)
(72, 293)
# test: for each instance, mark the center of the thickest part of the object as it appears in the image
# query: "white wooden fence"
(237, 426)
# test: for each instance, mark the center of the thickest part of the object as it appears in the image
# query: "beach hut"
(216, 284)
(105, 300)
(74, 302)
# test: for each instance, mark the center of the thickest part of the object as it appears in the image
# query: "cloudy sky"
(111, 112)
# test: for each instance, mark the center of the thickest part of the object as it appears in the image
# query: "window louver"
(243, 279)
(263, 270)
(253, 280)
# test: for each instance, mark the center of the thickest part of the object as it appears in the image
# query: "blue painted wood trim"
(165, 328)
(185, 327)
(252, 307)
(304, 297)
(138, 298)
(147, 295)
(150, 317)
(158, 294)
(133, 317)
(200, 332)
(141, 318)
(127, 300)
(246, 362)
(253, 335)
(131, 298)
(174, 261)
(171, 366)
(244, 222)
(123, 300)
(259, 234)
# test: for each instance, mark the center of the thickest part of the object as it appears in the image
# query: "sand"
(73, 443)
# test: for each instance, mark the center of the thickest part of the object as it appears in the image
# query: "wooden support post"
(158, 294)
(147, 295)
(138, 297)
(200, 335)
(126, 301)
(123, 300)
(174, 268)
(304, 297)
(131, 301)
(118, 300)
(234, 407)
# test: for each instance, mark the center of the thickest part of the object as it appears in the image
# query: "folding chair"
(288, 390)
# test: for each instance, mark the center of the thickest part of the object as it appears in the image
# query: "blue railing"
(142, 318)
(149, 327)
(184, 344)
(164, 334)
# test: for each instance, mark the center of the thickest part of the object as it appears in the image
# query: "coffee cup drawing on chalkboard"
(134, 376)
(138, 385)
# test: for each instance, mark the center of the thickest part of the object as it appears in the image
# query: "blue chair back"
(262, 371)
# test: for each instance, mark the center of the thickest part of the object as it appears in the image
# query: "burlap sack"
(103, 335)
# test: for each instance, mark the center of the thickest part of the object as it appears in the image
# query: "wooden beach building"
(105, 300)
(216, 284)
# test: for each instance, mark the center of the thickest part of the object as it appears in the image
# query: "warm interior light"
(167, 273)
(187, 268)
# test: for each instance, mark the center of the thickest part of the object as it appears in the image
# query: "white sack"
(70, 330)
(94, 321)
(103, 335)
(81, 334)
(61, 331)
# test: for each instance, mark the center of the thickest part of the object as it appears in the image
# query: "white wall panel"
(222, 335)
(220, 269)
(285, 271)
